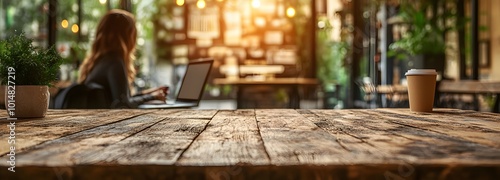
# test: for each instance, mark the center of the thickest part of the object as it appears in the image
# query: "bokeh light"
(290, 12)
(75, 28)
(64, 23)
(180, 2)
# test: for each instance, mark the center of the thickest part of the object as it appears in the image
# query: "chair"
(81, 96)
(369, 92)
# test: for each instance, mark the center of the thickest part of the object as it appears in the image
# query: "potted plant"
(423, 45)
(26, 72)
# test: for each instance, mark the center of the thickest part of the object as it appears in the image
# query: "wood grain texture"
(480, 128)
(76, 148)
(161, 144)
(257, 144)
(205, 114)
(411, 141)
(359, 133)
(231, 138)
(291, 139)
(56, 124)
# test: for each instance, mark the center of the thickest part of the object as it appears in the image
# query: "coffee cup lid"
(421, 72)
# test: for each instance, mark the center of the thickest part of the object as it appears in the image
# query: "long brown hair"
(116, 33)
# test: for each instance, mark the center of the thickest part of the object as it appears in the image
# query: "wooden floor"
(254, 144)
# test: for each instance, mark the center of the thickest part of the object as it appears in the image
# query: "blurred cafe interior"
(330, 54)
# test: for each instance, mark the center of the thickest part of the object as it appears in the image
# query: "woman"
(110, 63)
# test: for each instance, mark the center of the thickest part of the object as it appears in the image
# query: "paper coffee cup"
(421, 89)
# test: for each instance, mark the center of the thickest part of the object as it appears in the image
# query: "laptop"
(192, 86)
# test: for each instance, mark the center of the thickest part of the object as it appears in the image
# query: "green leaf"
(33, 66)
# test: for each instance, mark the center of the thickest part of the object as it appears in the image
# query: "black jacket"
(110, 73)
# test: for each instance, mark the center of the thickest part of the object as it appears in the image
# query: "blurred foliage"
(428, 21)
(331, 57)
(302, 22)
(27, 16)
(32, 65)
(31, 16)
(158, 29)
(91, 11)
(147, 13)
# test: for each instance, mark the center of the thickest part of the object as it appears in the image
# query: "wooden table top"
(254, 144)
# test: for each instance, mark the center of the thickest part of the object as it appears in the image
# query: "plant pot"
(30, 101)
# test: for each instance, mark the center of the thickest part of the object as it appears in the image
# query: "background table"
(474, 88)
(255, 144)
(447, 89)
(292, 84)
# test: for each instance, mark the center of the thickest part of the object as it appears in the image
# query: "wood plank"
(261, 144)
(205, 114)
(385, 133)
(161, 144)
(386, 143)
(230, 138)
(481, 128)
(68, 150)
(291, 139)
(410, 149)
(34, 131)
(432, 146)
(355, 132)
(391, 137)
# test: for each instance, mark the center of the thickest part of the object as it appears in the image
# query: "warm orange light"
(75, 28)
(179, 2)
(64, 23)
(290, 12)
(201, 4)
(261, 22)
(255, 3)
(102, 1)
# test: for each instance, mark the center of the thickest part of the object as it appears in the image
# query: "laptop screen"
(194, 80)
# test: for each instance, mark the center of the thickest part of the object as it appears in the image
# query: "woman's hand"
(159, 93)
(151, 90)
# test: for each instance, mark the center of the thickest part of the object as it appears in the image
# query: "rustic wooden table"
(292, 84)
(475, 88)
(253, 144)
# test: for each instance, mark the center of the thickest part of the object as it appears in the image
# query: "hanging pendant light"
(255, 3)
(179, 2)
(290, 12)
(201, 4)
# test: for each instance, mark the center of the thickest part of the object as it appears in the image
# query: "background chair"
(80, 96)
